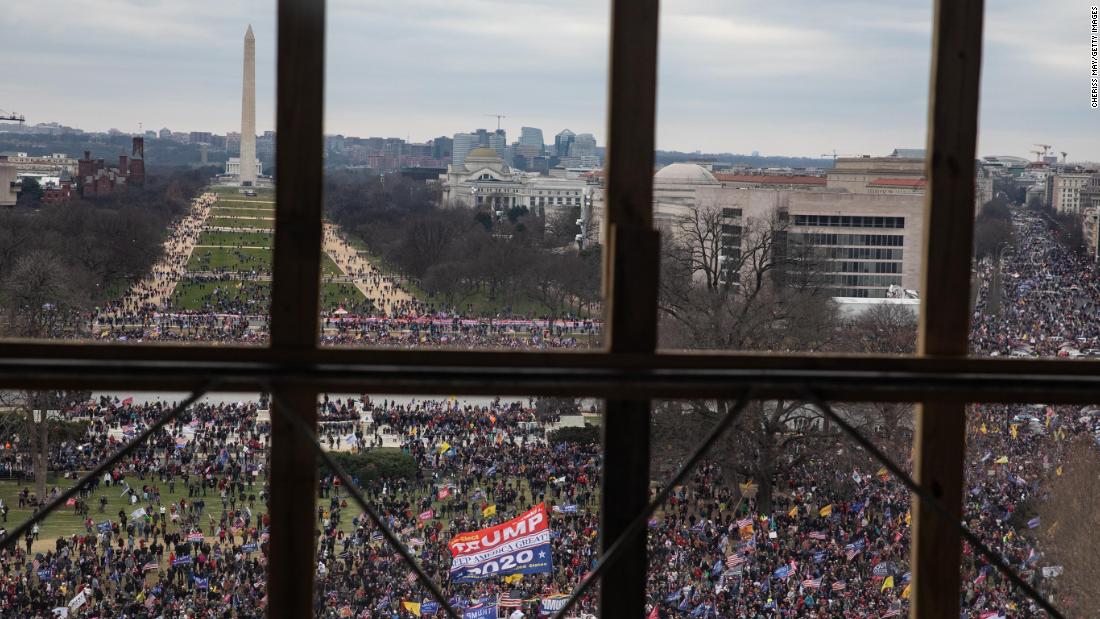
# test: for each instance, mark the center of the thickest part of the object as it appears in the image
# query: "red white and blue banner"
(518, 546)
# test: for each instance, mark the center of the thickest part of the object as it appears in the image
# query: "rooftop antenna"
(498, 117)
(1064, 153)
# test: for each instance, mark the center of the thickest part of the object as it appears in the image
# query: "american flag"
(851, 553)
(734, 560)
(812, 583)
(818, 535)
(150, 566)
(893, 612)
(411, 578)
(744, 522)
(195, 537)
(839, 585)
(510, 600)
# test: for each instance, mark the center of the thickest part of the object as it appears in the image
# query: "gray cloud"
(782, 78)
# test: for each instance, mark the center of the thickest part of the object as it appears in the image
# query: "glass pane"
(456, 217)
(1036, 224)
(785, 516)
(789, 191)
(443, 471)
(179, 525)
(121, 231)
(1031, 491)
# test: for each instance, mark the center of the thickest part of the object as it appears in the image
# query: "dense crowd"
(1049, 302)
(833, 539)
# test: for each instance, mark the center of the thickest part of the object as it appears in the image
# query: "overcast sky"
(794, 77)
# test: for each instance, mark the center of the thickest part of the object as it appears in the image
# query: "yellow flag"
(1001, 460)
(514, 578)
(908, 516)
(443, 447)
(826, 511)
(882, 472)
(887, 584)
(984, 429)
(1058, 471)
(905, 592)
(412, 607)
(489, 511)
(794, 512)
(1012, 430)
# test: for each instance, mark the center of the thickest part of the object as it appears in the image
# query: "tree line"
(458, 255)
(59, 262)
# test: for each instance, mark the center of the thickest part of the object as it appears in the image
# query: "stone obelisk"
(248, 112)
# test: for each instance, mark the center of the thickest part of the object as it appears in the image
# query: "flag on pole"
(826, 511)
(887, 584)
(489, 511)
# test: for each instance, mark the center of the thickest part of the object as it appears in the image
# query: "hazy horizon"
(788, 79)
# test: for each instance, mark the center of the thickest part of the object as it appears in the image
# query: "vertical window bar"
(630, 280)
(940, 440)
(295, 294)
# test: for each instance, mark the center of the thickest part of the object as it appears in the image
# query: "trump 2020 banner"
(518, 546)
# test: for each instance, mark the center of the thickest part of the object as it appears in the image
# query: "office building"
(531, 138)
(461, 146)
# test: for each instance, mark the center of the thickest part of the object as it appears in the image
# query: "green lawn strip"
(241, 212)
(328, 266)
(234, 239)
(193, 295)
(347, 296)
(225, 222)
(229, 258)
(262, 193)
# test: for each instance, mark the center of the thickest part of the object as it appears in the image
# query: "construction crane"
(12, 116)
(1038, 154)
(1064, 153)
(1045, 147)
(834, 156)
(498, 117)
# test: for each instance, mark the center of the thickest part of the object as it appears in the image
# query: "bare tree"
(884, 328)
(761, 293)
(1068, 517)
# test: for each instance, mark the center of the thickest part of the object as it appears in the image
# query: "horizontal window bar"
(608, 376)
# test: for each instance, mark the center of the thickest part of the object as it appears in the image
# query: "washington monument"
(248, 112)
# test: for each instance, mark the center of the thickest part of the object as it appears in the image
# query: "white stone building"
(484, 180)
(1066, 191)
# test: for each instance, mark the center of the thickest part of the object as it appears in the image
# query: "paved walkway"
(157, 288)
(381, 290)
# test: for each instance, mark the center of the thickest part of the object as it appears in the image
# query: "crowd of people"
(831, 540)
(1049, 298)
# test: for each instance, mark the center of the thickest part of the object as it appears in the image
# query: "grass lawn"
(233, 239)
(192, 295)
(227, 258)
(334, 296)
(262, 193)
(225, 222)
(241, 212)
(328, 266)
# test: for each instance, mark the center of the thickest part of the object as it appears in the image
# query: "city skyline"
(817, 81)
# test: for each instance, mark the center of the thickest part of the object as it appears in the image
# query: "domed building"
(674, 191)
(483, 180)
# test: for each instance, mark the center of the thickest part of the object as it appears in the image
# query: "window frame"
(629, 371)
